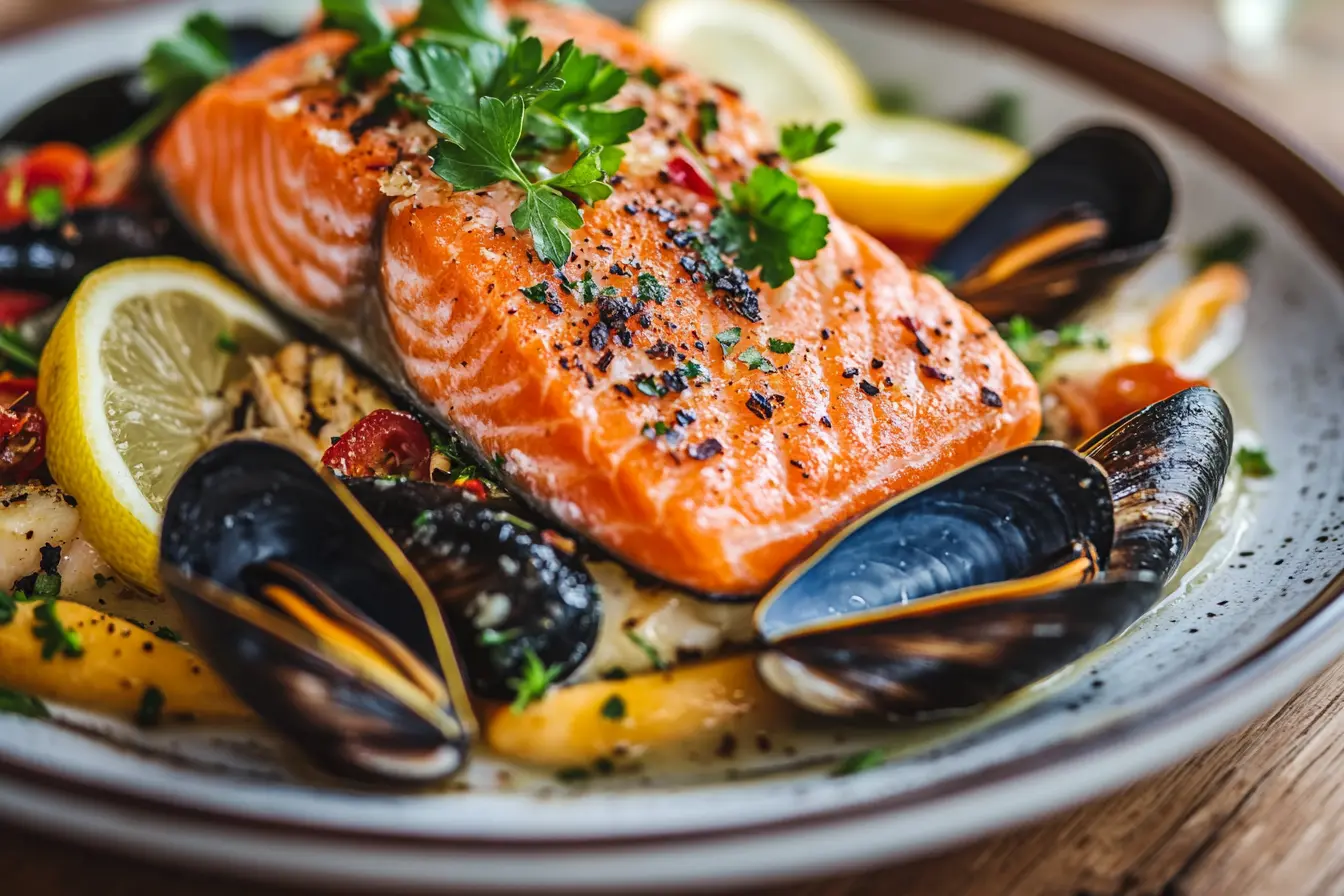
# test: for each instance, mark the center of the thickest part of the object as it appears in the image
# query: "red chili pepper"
(23, 443)
(474, 487)
(385, 443)
(62, 165)
(686, 175)
(17, 306)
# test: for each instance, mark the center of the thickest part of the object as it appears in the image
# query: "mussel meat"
(510, 589)
(1088, 212)
(314, 617)
(1166, 465)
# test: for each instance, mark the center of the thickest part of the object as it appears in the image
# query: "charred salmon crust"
(890, 382)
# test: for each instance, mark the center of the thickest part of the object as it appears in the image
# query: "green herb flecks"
(535, 681)
(47, 584)
(18, 704)
(649, 650)
(1000, 114)
(46, 206)
(167, 634)
(614, 708)
(693, 370)
(150, 712)
(708, 114)
(729, 339)
(859, 762)
(1254, 462)
(1236, 245)
(539, 293)
(803, 141)
(650, 386)
(897, 99)
(649, 75)
(55, 637)
(754, 360)
(226, 343)
(779, 346)
(1038, 348)
(650, 289)
(768, 225)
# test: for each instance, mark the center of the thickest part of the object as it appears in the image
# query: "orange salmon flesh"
(335, 216)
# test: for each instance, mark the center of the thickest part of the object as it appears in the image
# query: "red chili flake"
(990, 397)
(385, 443)
(935, 374)
(685, 175)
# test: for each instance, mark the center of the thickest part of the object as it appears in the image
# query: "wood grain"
(1262, 813)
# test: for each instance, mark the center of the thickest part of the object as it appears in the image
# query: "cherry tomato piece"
(1133, 387)
(385, 443)
(61, 165)
(473, 487)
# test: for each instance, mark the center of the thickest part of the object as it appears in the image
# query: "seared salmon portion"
(602, 389)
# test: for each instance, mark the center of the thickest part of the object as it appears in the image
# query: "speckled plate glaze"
(1251, 619)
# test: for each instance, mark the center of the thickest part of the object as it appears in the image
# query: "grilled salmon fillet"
(332, 211)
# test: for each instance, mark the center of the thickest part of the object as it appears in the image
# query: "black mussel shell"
(1010, 517)
(506, 589)
(1105, 175)
(249, 516)
(53, 260)
(954, 659)
(1166, 465)
(98, 110)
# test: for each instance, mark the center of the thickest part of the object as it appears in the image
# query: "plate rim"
(1311, 195)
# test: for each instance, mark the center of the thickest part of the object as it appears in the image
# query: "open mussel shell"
(508, 587)
(941, 658)
(1166, 465)
(1088, 212)
(312, 615)
(858, 627)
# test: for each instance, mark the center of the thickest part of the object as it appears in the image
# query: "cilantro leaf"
(729, 339)
(460, 22)
(364, 17)
(776, 225)
(803, 141)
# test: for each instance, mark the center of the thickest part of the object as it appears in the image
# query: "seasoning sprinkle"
(990, 397)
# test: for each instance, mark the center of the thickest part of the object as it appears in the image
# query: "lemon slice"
(131, 382)
(896, 175)
(783, 64)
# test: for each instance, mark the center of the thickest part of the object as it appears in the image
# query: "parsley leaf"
(1236, 244)
(364, 17)
(780, 346)
(708, 113)
(586, 81)
(859, 762)
(435, 72)
(226, 343)
(754, 360)
(535, 681)
(9, 607)
(47, 584)
(538, 292)
(482, 141)
(55, 637)
(1254, 462)
(769, 225)
(803, 141)
(150, 712)
(694, 370)
(649, 289)
(18, 704)
(613, 708)
(729, 339)
(460, 22)
(551, 218)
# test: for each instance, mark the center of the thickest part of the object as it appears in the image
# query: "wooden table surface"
(1262, 813)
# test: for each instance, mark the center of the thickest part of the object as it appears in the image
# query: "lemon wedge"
(782, 63)
(131, 383)
(916, 178)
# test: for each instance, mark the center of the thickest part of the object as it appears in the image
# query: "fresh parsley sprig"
(803, 141)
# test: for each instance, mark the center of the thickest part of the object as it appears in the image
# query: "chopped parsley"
(9, 606)
(708, 113)
(649, 75)
(491, 637)
(694, 370)
(150, 712)
(767, 225)
(649, 650)
(650, 289)
(55, 637)
(167, 634)
(859, 762)
(947, 278)
(1037, 348)
(535, 681)
(226, 343)
(779, 346)
(803, 141)
(1236, 245)
(47, 584)
(46, 206)
(539, 293)
(17, 704)
(649, 386)
(614, 708)
(729, 339)
(655, 429)
(1254, 462)
(754, 360)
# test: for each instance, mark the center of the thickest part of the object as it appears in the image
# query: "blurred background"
(1280, 59)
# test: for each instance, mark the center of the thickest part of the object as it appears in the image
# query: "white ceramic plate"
(1247, 625)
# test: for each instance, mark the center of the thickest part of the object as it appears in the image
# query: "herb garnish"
(1037, 348)
(150, 711)
(55, 637)
(1236, 244)
(14, 350)
(492, 637)
(708, 113)
(614, 708)
(803, 141)
(47, 584)
(729, 339)
(226, 343)
(754, 360)
(1000, 115)
(1254, 462)
(649, 289)
(167, 634)
(694, 370)
(18, 704)
(46, 206)
(859, 762)
(649, 650)
(649, 75)
(535, 681)
(779, 346)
